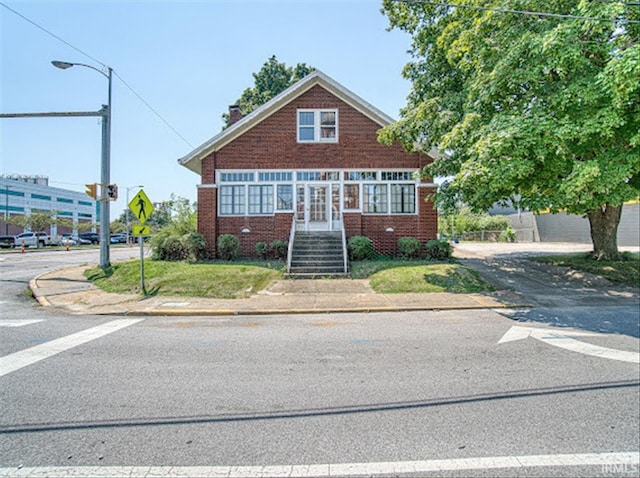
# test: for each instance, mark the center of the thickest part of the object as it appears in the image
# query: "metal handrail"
(345, 254)
(292, 235)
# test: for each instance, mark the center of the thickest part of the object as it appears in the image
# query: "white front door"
(318, 208)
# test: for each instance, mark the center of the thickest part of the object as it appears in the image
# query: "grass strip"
(218, 281)
(443, 277)
(624, 271)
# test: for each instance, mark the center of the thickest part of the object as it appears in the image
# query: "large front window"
(260, 199)
(267, 192)
(317, 126)
(232, 200)
(374, 197)
(403, 198)
(285, 197)
(352, 196)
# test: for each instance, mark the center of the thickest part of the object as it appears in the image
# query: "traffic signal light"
(92, 190)
(112, 192)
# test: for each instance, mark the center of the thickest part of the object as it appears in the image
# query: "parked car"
(72, 240)
(92, 237)
(118, 239)
(82, 240)
(7, 242)
(33, 239)
(68, 240)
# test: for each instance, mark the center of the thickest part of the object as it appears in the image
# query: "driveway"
(556, 295)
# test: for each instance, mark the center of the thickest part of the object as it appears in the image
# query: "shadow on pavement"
(315, 412)
(604, 320)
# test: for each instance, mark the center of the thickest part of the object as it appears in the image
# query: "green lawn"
(217, 280)
(223, 280)
(625, 271)
(439, 277)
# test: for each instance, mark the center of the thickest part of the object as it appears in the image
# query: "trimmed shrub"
(262, 249)
(196, 245)
(173, 249)
(409, 247)
(438, 250)
(168, 246)
(360, 248)
(279, 249)
(228, 247)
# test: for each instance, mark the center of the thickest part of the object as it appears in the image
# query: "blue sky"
(188, 60)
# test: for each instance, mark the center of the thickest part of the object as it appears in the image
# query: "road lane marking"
(629, 461)
(16, 361)
(564, 340)
(18, 322)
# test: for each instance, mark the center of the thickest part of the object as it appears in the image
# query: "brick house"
(309, 161)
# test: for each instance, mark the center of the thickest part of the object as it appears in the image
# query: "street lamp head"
(63, 65)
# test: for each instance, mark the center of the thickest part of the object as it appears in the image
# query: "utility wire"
(146, 103)
(52, 34)
(518, 12)
(152, 109)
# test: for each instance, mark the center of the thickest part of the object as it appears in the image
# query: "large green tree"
(542, 110)
(273, 78)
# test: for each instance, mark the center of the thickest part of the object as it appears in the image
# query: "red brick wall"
(207, 210)
(261, 229)
(272, 144)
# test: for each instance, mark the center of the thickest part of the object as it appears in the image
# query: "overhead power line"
(517, 12)
(62, 40)
(151, 108)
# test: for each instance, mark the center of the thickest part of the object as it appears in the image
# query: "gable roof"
(193, 160)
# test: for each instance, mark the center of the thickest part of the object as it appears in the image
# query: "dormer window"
(317, 126)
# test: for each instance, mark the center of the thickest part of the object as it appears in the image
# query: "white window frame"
(363, 180)
(260, 203)
(278, 194)
(240, 205)
(317, 126)
(393, 203)
(381, 202)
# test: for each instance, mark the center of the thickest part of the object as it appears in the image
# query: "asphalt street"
(341, 389)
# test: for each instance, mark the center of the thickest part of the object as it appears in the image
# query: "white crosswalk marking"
(18, 322)
(16, 361)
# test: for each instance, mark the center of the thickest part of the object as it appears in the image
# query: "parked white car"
(33, 239)
(71, 240)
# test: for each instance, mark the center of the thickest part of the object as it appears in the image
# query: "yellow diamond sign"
(141, 206)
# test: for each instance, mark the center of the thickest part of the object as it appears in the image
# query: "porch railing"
(344, 245)
(292, 235)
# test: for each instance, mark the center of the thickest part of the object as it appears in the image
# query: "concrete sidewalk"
(518, 283)
(68, 289)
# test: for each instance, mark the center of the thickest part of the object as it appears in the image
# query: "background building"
(22, 195)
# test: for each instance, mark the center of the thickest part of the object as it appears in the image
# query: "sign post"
(142, 208)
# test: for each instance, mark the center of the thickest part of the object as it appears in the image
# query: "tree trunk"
(604, 231)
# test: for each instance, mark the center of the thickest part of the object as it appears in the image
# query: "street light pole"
(126, 211)
(105, 163)
(6, 211)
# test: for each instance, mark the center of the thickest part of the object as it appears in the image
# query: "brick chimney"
(235, 114)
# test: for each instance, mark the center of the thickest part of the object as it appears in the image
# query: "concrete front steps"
(316, 255)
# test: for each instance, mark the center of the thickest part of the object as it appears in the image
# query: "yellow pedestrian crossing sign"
(141, 206)
(141, 230)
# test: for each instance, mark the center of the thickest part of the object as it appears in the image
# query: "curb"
(42, 300)
(228, 312)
